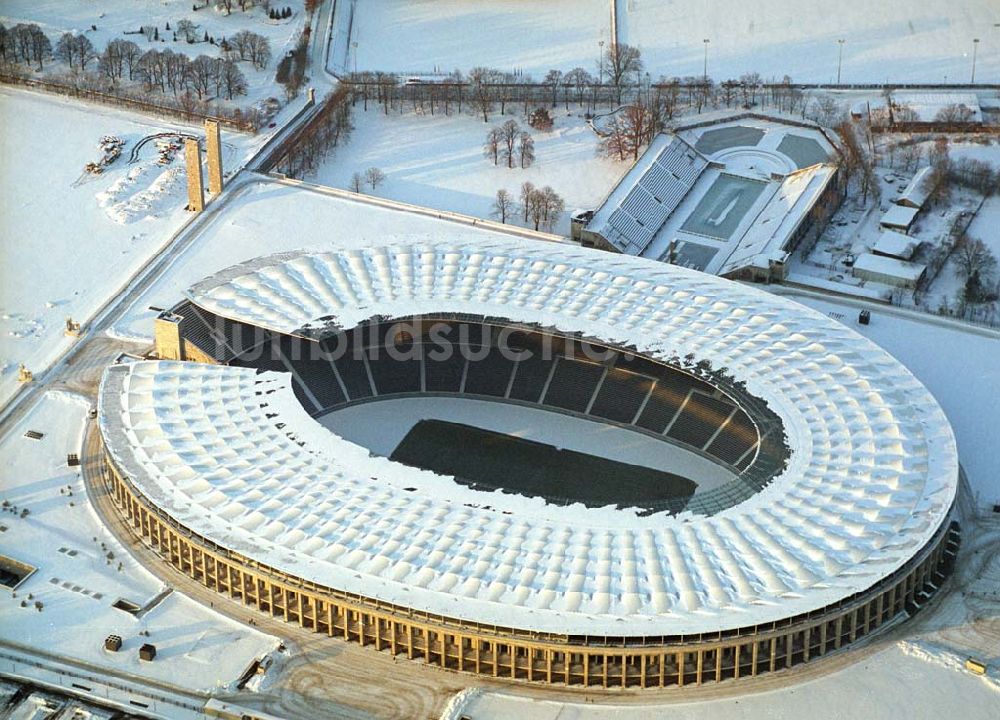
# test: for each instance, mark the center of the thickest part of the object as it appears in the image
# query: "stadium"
(802, 497)
(731, 194)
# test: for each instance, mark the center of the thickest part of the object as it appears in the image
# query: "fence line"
(240, 125)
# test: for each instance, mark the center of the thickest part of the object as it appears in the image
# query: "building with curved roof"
(843, 469)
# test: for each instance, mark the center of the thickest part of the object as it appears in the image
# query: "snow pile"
(943, 657)
(459, 702)
(164, 192)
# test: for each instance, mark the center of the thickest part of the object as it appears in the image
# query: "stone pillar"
(167, 336)
(195, 183)
(213, 145)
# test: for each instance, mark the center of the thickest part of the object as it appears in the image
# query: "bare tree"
(955, 114)
(260, 51)
(374, 177)
(231, 80)
(39, 45)
(614, 144)
(637, 127)
(483, 81)
(187, 30)
(623, 62)
(552, 207)
(201, 72)
(75, 50)
(250, 46)
(553, 78)
(973, 256)
(6, 43)
(503, 205)
(509, 133)
(525, 149)
(111, 64)
(226, 5)
(527, 191)
(491, 148)
(826, 111)
(357, 183)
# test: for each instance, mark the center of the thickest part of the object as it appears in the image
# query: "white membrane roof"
(872, 473)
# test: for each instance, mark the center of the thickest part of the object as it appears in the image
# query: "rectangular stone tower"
(214, 147)
(195, 182)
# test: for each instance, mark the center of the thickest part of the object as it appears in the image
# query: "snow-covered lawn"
(960, 367)
(421, 36)
(113, 18)
(70, 239)
(884, 41)
(82, 570)
(438, 161)
(269, 218)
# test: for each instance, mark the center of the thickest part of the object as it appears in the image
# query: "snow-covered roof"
(889, 266)
(899, 216)
(644, 198)
(767, 238)
(895, 244)
(871, 476)
(927, 105)
(919, 189)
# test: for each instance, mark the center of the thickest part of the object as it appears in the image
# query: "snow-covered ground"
(422, 36)
(887, 686)
(269, 218)
(919, 42)
(884, 41)
(960, 367)
(438, 161)
(82, 570)
(113, 18)
(71, 238)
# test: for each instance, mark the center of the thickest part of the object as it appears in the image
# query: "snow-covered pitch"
(872, 476)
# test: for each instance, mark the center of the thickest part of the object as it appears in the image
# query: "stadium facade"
(835, 520)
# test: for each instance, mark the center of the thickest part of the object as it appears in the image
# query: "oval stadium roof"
(872, 474)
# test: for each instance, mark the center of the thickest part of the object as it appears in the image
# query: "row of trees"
(161, 70)
(331, 126)
(24, 43)
(485, 90)
(541, 207)
(508, 142)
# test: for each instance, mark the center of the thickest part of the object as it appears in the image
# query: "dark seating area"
(573, 384)
(621, 395)
(699, 420)
(626, 389)
(489, 376)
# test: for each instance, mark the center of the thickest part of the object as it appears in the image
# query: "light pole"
(975, 48)
(705, 71)
(840, 59)
(354, 45)
(600, 44)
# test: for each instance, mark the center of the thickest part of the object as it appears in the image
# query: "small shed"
(894, 244)
(899, 217)
(888, 271)
(920, 188)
